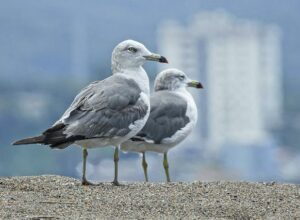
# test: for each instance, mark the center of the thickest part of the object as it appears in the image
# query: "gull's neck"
(183, 92)
(116, 67)
(191, 105)
(138, 74)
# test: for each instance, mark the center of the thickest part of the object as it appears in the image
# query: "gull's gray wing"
(104, 109)
(167, 116)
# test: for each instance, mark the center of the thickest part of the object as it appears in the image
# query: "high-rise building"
(239, 63)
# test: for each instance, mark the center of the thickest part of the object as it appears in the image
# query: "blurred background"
(246, 54)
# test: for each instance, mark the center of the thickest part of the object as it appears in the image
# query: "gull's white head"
(173, 79)
(131, 54)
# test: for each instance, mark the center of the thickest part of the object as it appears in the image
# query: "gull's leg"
(145, 166)
(84, 156)
(84, 180)
(116, 161)
(166, 166)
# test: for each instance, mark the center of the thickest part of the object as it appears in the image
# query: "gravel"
(57, 197)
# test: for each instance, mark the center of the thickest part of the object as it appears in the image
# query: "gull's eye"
(132, 49)
(181, 77)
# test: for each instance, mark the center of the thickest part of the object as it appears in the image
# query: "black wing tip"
(16, 143)
(20, 142)
(31, 140)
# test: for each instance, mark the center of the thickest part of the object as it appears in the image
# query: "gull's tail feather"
(54, 137)
(32, 140)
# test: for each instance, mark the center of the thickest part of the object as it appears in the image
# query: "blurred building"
(239, 63)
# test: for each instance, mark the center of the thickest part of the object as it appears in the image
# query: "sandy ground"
(56, 197)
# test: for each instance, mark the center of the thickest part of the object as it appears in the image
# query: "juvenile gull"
(172, 117)
(107, 112)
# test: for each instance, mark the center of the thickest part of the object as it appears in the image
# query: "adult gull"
(172, 117)
(107, 112)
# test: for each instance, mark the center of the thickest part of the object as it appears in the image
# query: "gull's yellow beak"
(195, 84)
(156, 57)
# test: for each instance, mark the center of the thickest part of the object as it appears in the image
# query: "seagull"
(172, 118)
(107, 112)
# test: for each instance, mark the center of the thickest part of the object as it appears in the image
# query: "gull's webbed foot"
(85, 182)
(116, 183)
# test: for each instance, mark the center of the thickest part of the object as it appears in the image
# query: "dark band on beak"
(162, 59)
(199, 85)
